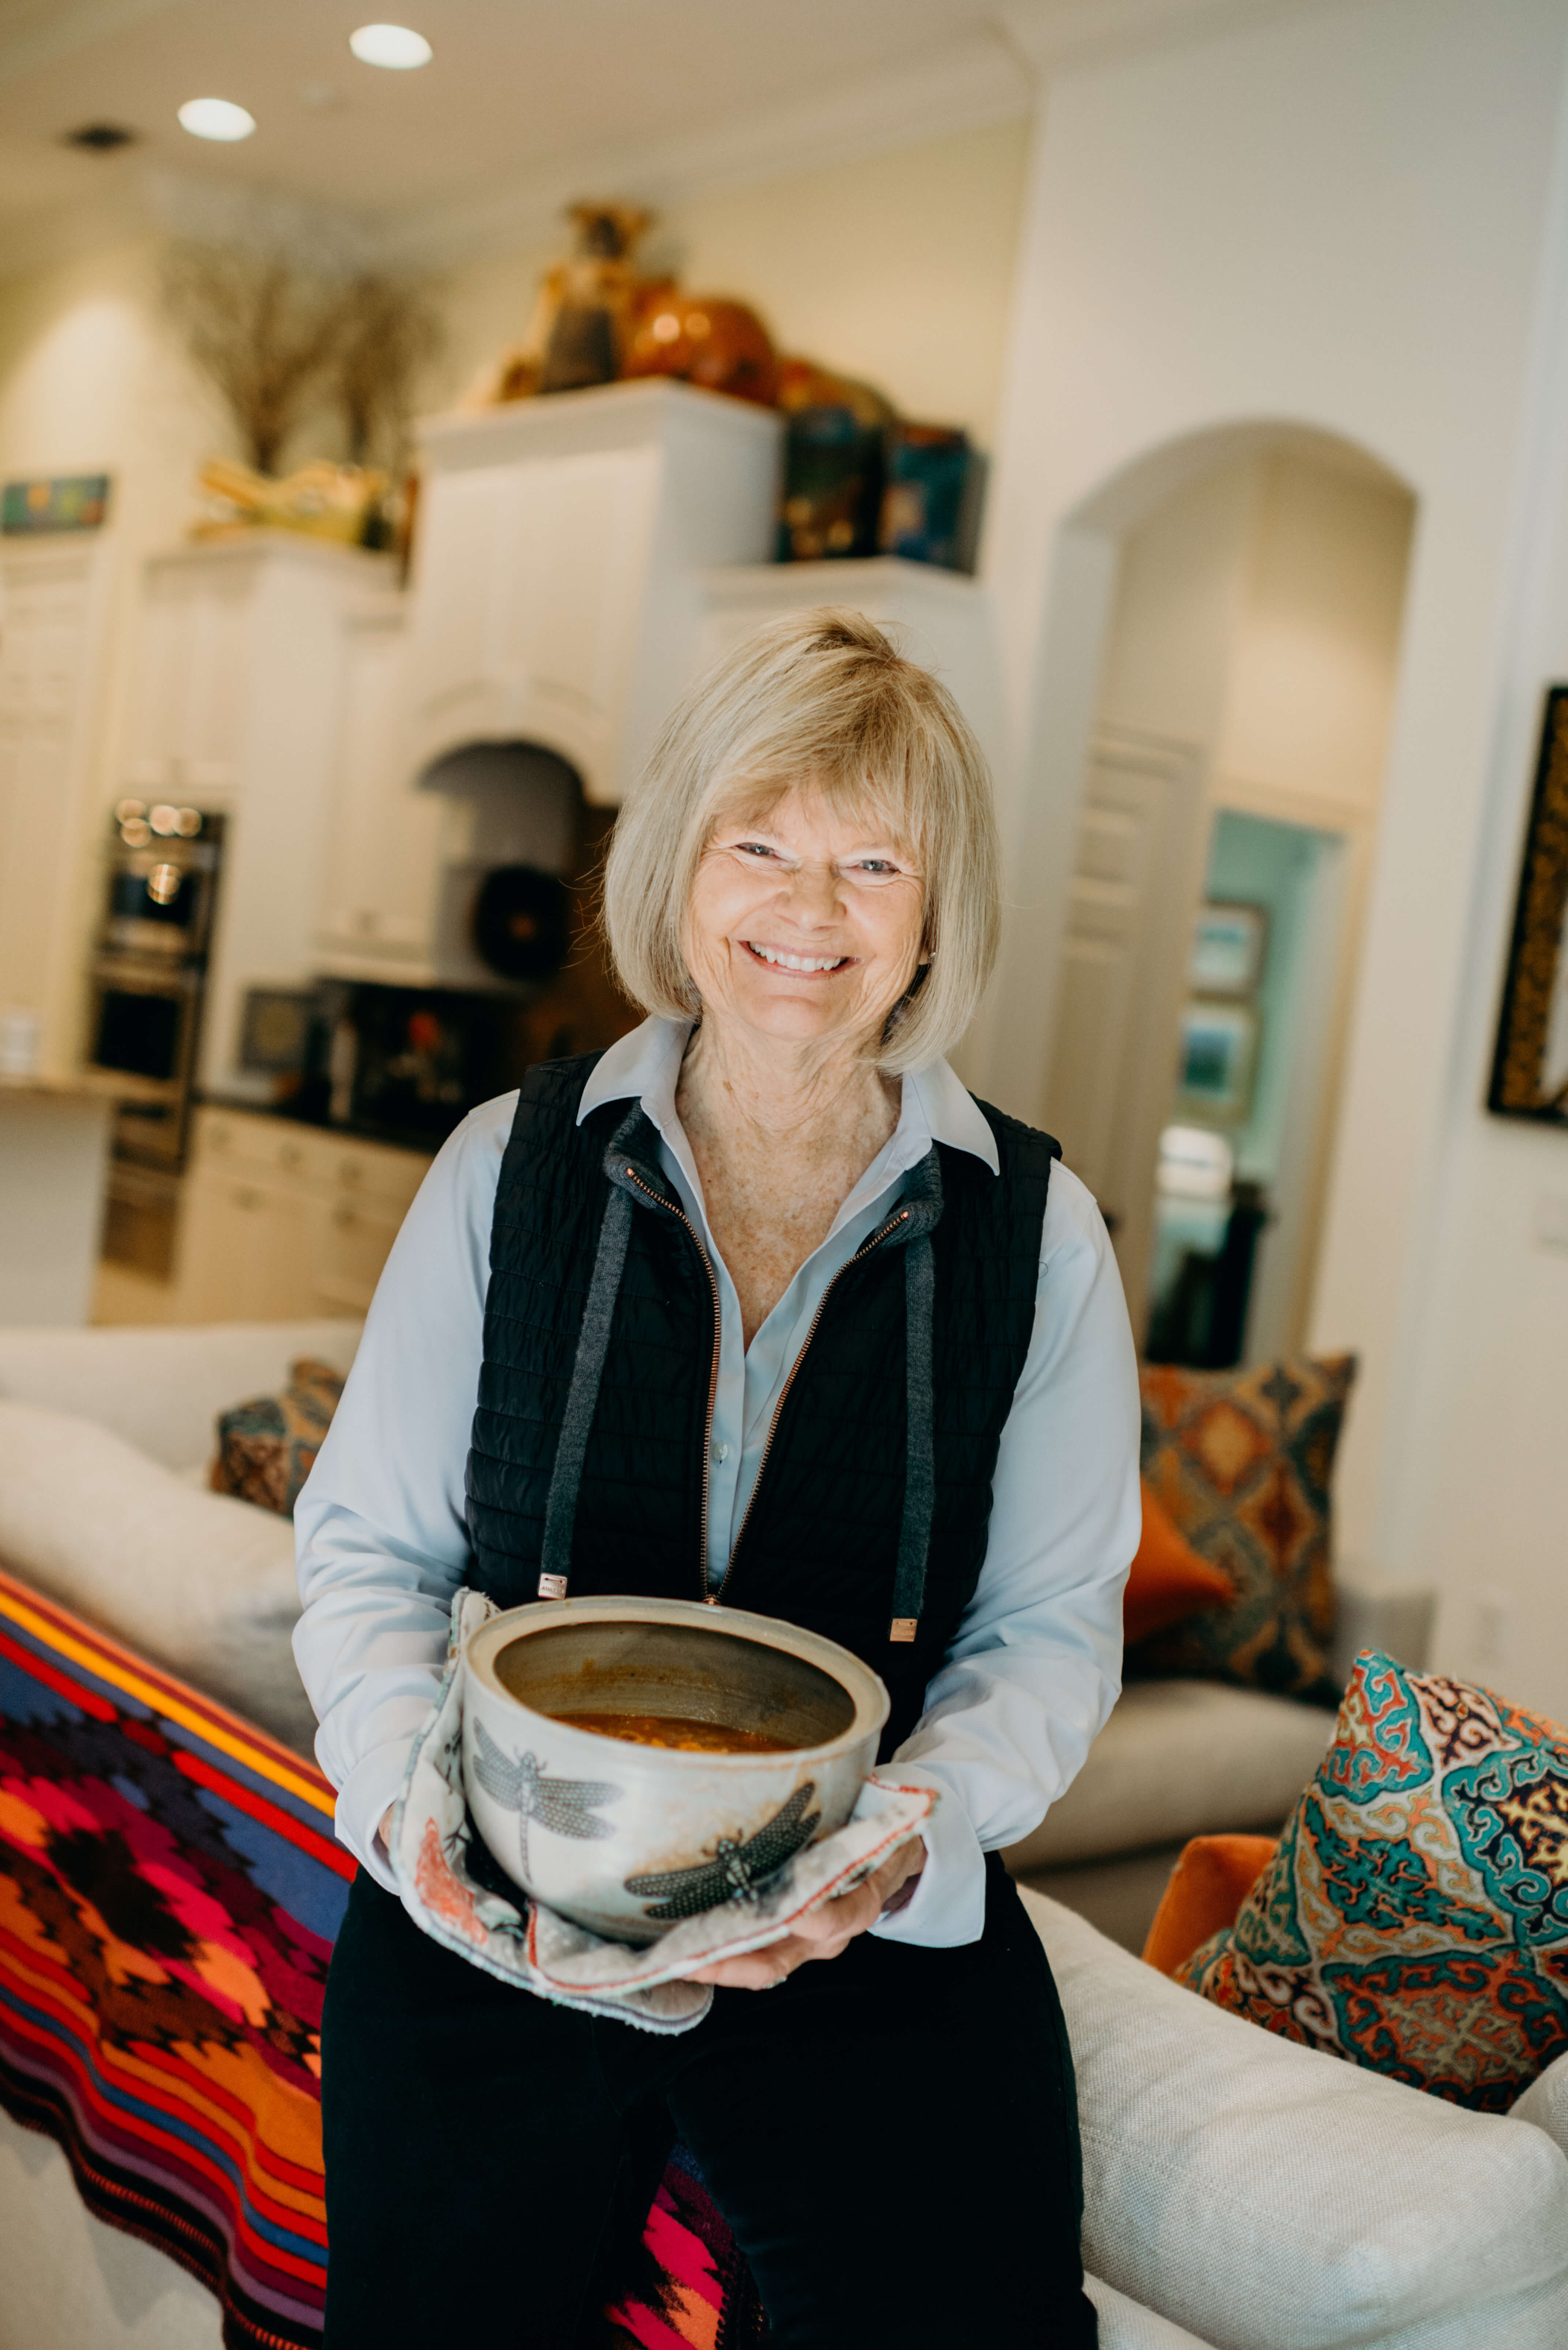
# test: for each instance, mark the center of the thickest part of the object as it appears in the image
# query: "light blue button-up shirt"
(1035, 1667)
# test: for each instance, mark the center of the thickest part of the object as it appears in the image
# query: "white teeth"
(797, 962)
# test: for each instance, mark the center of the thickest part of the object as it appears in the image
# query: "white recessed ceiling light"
(214, 118)
(392, 46)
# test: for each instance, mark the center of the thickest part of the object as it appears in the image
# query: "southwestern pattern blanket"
(169, 1891)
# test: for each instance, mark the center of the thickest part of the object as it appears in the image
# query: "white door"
(52, 599)
(1137, 873)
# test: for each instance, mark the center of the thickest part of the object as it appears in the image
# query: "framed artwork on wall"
(1229, 943)
(1530, 1066)
(1219, 1058)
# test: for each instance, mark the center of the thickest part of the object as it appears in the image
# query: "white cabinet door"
(245, 1251)
(530, 585)
(1135, 880)
(189, 714)
(47, 639)
(351, 1242)
(379, 891)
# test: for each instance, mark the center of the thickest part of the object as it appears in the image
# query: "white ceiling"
(524, 98)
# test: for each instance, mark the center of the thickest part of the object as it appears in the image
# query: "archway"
(1216, 690)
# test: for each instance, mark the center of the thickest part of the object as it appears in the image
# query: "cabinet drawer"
(360, 1171)
(266, 1145)
(228, 1139)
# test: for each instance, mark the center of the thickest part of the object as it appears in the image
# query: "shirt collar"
(644, 1067)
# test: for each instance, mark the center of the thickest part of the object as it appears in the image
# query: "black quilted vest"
(820, 1545)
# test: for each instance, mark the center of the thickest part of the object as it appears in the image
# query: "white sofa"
(1242, 2194)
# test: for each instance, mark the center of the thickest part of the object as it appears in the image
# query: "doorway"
(1233, 1187)
(1248, 669)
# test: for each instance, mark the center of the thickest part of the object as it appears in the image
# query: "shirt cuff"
(375, 1781)
(948, 1905)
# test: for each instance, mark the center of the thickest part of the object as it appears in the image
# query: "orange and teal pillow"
(267, 1447)
(1242, 1463)
(1415, 1918)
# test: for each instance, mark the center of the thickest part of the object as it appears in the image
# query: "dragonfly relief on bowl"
(567, 1807)
(739, 1865)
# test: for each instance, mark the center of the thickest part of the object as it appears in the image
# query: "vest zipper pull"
(904, 1627)
(554, 1586)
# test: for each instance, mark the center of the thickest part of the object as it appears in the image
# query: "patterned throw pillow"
(1415, 1918)
(1241, 1460)
(267, 1447)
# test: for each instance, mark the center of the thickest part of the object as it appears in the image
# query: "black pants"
(892, 2135)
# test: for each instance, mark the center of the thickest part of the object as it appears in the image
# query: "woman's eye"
(878, 868)
(754, 848)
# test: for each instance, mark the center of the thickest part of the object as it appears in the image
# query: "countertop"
(80, 1085)
(400, 1137)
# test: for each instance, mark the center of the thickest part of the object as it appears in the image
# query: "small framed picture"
(1530, 1066)
(1229, 943)
(1219, 1058)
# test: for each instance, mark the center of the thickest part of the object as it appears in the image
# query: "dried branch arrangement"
(389, 331)
(272, 335)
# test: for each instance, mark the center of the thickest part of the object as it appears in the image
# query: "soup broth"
(689, 1737)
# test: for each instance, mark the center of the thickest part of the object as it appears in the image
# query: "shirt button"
(721, 1454)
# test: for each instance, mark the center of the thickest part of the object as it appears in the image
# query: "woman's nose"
(814, 893)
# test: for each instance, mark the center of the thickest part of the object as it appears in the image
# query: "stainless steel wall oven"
(148, 977)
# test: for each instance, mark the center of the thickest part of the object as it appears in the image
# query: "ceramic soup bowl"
(626, 1838)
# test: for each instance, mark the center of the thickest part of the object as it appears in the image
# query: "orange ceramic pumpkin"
(707, 340)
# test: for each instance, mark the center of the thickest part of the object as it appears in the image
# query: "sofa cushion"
(1166, 1580)
(1242, 1461)
(162, 1389)
(1179, 1759)
(1415, 1918)
(1268, 2198)
(1545, 2102)
(1127, 2325)
(267, 1447)
(199, 1583)
(1208, 1886)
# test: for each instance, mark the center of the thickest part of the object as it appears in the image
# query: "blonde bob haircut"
(821, 700)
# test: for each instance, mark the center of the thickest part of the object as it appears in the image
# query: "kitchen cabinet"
(379, 880)
(557, 594)
(283, 1221)
(238, 707)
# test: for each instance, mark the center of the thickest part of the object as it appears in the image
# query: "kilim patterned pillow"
(1415, 1918)
(267, 1447)
(1242, 1461)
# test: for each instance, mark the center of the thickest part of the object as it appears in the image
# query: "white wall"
(1337, 219)
(898, 268)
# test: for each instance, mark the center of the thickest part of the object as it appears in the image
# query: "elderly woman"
(869, 1371)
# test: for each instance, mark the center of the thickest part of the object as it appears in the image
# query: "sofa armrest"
(1267, 2197)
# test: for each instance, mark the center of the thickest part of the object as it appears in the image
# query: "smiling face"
(805, 927)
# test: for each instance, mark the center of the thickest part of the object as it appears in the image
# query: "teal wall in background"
(1262, 863)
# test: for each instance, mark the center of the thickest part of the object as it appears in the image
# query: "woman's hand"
(822, 1933)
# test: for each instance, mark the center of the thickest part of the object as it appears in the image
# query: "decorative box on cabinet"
(284, 1221)
(557, 588)
(240, 676)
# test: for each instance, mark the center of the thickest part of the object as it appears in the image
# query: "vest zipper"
(864, 1249)
(670, 1208)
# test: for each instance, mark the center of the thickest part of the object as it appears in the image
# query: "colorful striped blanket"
(170, 1889)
